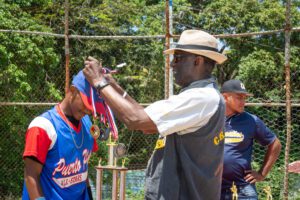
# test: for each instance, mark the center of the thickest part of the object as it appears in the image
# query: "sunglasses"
(180, 57)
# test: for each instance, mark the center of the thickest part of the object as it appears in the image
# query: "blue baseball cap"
(86, 92)
(234, 86)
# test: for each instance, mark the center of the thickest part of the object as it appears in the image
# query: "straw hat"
(200, 43)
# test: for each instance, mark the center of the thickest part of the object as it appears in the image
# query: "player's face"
(235, 102)
(78, 108)
(183, 67)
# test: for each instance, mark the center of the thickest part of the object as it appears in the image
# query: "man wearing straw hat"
(187, 160)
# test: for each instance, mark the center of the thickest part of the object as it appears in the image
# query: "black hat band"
(195, 47)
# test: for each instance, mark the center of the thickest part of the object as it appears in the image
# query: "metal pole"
(67, 48)
(167, 62)
(130, 37)
(288, 95)
(171, 42)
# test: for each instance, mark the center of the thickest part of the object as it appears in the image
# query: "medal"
(107, 126)
(95, 130)
(120, 150)
(104, 133)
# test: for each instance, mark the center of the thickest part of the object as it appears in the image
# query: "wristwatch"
(101, 84)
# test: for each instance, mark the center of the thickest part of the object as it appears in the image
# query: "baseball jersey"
(64, 151)
(240, 132)
(188, 164)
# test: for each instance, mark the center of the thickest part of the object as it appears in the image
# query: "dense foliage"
(32, 66)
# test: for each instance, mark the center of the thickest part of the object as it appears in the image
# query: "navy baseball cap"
(234, 86)
(88, 94)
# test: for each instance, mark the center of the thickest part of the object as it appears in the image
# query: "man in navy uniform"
(241, 129)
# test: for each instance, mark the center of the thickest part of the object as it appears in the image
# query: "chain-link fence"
(36, 89)
(274, 118)
(31, 85)
(13, 128)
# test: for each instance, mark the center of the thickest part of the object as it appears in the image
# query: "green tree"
(23, 55)
(24, 62)
(32, 67)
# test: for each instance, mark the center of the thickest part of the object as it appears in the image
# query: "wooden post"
(119, 173)
(99, 184)
(122, 185)
(114, 192)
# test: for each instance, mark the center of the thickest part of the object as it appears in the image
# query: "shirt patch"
(219, 138)
(160, 143)
(233, 137)
(71, 180)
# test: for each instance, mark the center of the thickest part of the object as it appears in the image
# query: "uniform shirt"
(189, 164)
(240, 131)
(64, 151)
(186, 112)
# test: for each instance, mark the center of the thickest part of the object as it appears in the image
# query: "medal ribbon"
(111, 121)
(93, 103)
(109, 116)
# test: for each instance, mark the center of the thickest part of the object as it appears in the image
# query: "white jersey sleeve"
(46, 125)
(185, 112)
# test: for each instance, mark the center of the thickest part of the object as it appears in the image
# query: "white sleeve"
(185, 112)
(45, 124)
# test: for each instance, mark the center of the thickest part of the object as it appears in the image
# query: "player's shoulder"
(43, 121)
(252, 117)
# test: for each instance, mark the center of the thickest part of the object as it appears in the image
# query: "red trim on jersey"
(37, 143)
(95, 146)
(63, 116)
(77, 130)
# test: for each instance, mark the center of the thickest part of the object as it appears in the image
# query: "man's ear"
(73, 91)
(72, 88)
(199, 60)
(227, 96)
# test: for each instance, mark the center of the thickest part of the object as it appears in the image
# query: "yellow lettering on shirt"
(233, 137)
(160, 143)
(219, 138)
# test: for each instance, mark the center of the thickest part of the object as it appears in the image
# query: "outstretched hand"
(92, 70)
(253, 176)
(110, 79)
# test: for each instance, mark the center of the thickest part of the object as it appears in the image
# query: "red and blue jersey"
(64, 151)
(240, 132)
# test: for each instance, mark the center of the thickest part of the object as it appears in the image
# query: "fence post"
(67, 48)
(288, 96)
(169, 40)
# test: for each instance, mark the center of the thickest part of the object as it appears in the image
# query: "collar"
(233, 115)
(200, 84)
(65, 119)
